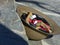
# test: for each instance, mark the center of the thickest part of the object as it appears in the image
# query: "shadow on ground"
(7, 37)
(39, 4)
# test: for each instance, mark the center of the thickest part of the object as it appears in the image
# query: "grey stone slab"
(47, 42)
(35, 42)
(56, 19)
(10, 19)
(55, 39)
(52, 5)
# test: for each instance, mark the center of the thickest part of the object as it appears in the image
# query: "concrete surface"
(9, 18)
